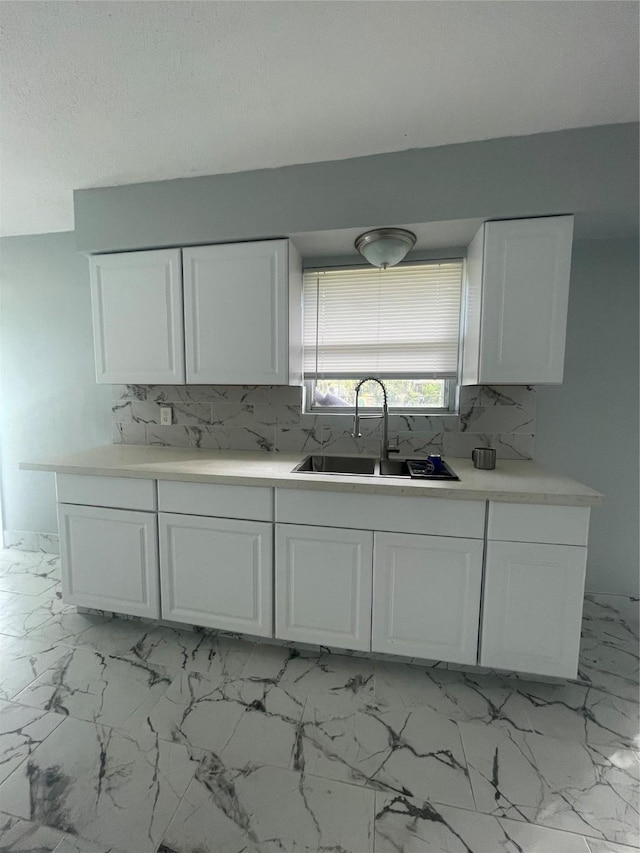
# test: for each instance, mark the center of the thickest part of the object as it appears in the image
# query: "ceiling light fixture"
(385, 247)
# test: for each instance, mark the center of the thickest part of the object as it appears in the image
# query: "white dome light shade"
(385, 247)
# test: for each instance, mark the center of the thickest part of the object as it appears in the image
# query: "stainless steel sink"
(321, 464)
(393, 468)
(367, 466)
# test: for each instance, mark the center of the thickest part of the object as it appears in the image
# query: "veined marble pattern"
(406, 825)
(459, 695)
(592, 790)
(106, 635)
(271, 418)
(581, 713)
(415, 752)
(101, 688)
(244, 721)
(21, 730)
(22, 615)
(26, 573)
(23, 836)
(101, 784)
(609, 656)
(124, 736)
(193, 651)
(269, 810)
(23, 660)
(27, 540)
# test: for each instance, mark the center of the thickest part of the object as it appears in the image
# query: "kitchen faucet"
(385, 450)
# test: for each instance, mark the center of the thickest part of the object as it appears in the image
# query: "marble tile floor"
(119, 735)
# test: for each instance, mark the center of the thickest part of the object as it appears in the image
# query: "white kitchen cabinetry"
(426, 588)
(517, 295)
(387, 573)
(216, 572)
(241, 322)
(109, 556)
(323, 585)
(216, 545)
(243, 313)
(533, 590)
(137, 317)
(426, 600)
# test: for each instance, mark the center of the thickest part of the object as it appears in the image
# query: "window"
(401, 325)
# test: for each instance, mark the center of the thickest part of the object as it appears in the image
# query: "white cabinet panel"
(237, 313)
(225, 501)
(323, 585)
(137, 317)
(426, 596)
(436, 516)
(109, 559)
(217, 572)
(521, 289)
(552, 525)
(532, 607)
(117, 492)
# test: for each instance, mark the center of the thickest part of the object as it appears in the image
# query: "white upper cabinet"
(137, 317)
(243, 313)
(241, 323)
(517, 295)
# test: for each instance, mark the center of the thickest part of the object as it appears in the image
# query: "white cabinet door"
(137, 317)
(237, 313)
(426, 596)
(109, 559)
(518, 290)
(216, 572)
(532, 607)
(323, 585)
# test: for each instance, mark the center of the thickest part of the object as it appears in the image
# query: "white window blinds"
(400, 322)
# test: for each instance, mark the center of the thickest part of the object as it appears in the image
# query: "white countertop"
(511, 481)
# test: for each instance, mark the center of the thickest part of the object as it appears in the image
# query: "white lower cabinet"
(217, 572)
(109, 559)
(532, 609)
(426, 596)
(323, 585)
(415, 590)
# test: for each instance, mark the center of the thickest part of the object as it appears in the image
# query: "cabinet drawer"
(434, 516)
(119, 492)
(252, 502)
(549, 525)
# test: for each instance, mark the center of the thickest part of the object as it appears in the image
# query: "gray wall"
(592, 172)
(588, 427)
(51, 403)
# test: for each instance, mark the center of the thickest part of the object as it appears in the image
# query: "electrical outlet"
(166, 415)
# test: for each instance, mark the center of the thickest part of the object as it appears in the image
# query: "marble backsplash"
(270, 418)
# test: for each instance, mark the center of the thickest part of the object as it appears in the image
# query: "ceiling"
(104, 93)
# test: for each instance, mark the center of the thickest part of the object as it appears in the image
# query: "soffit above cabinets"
(429, 236)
